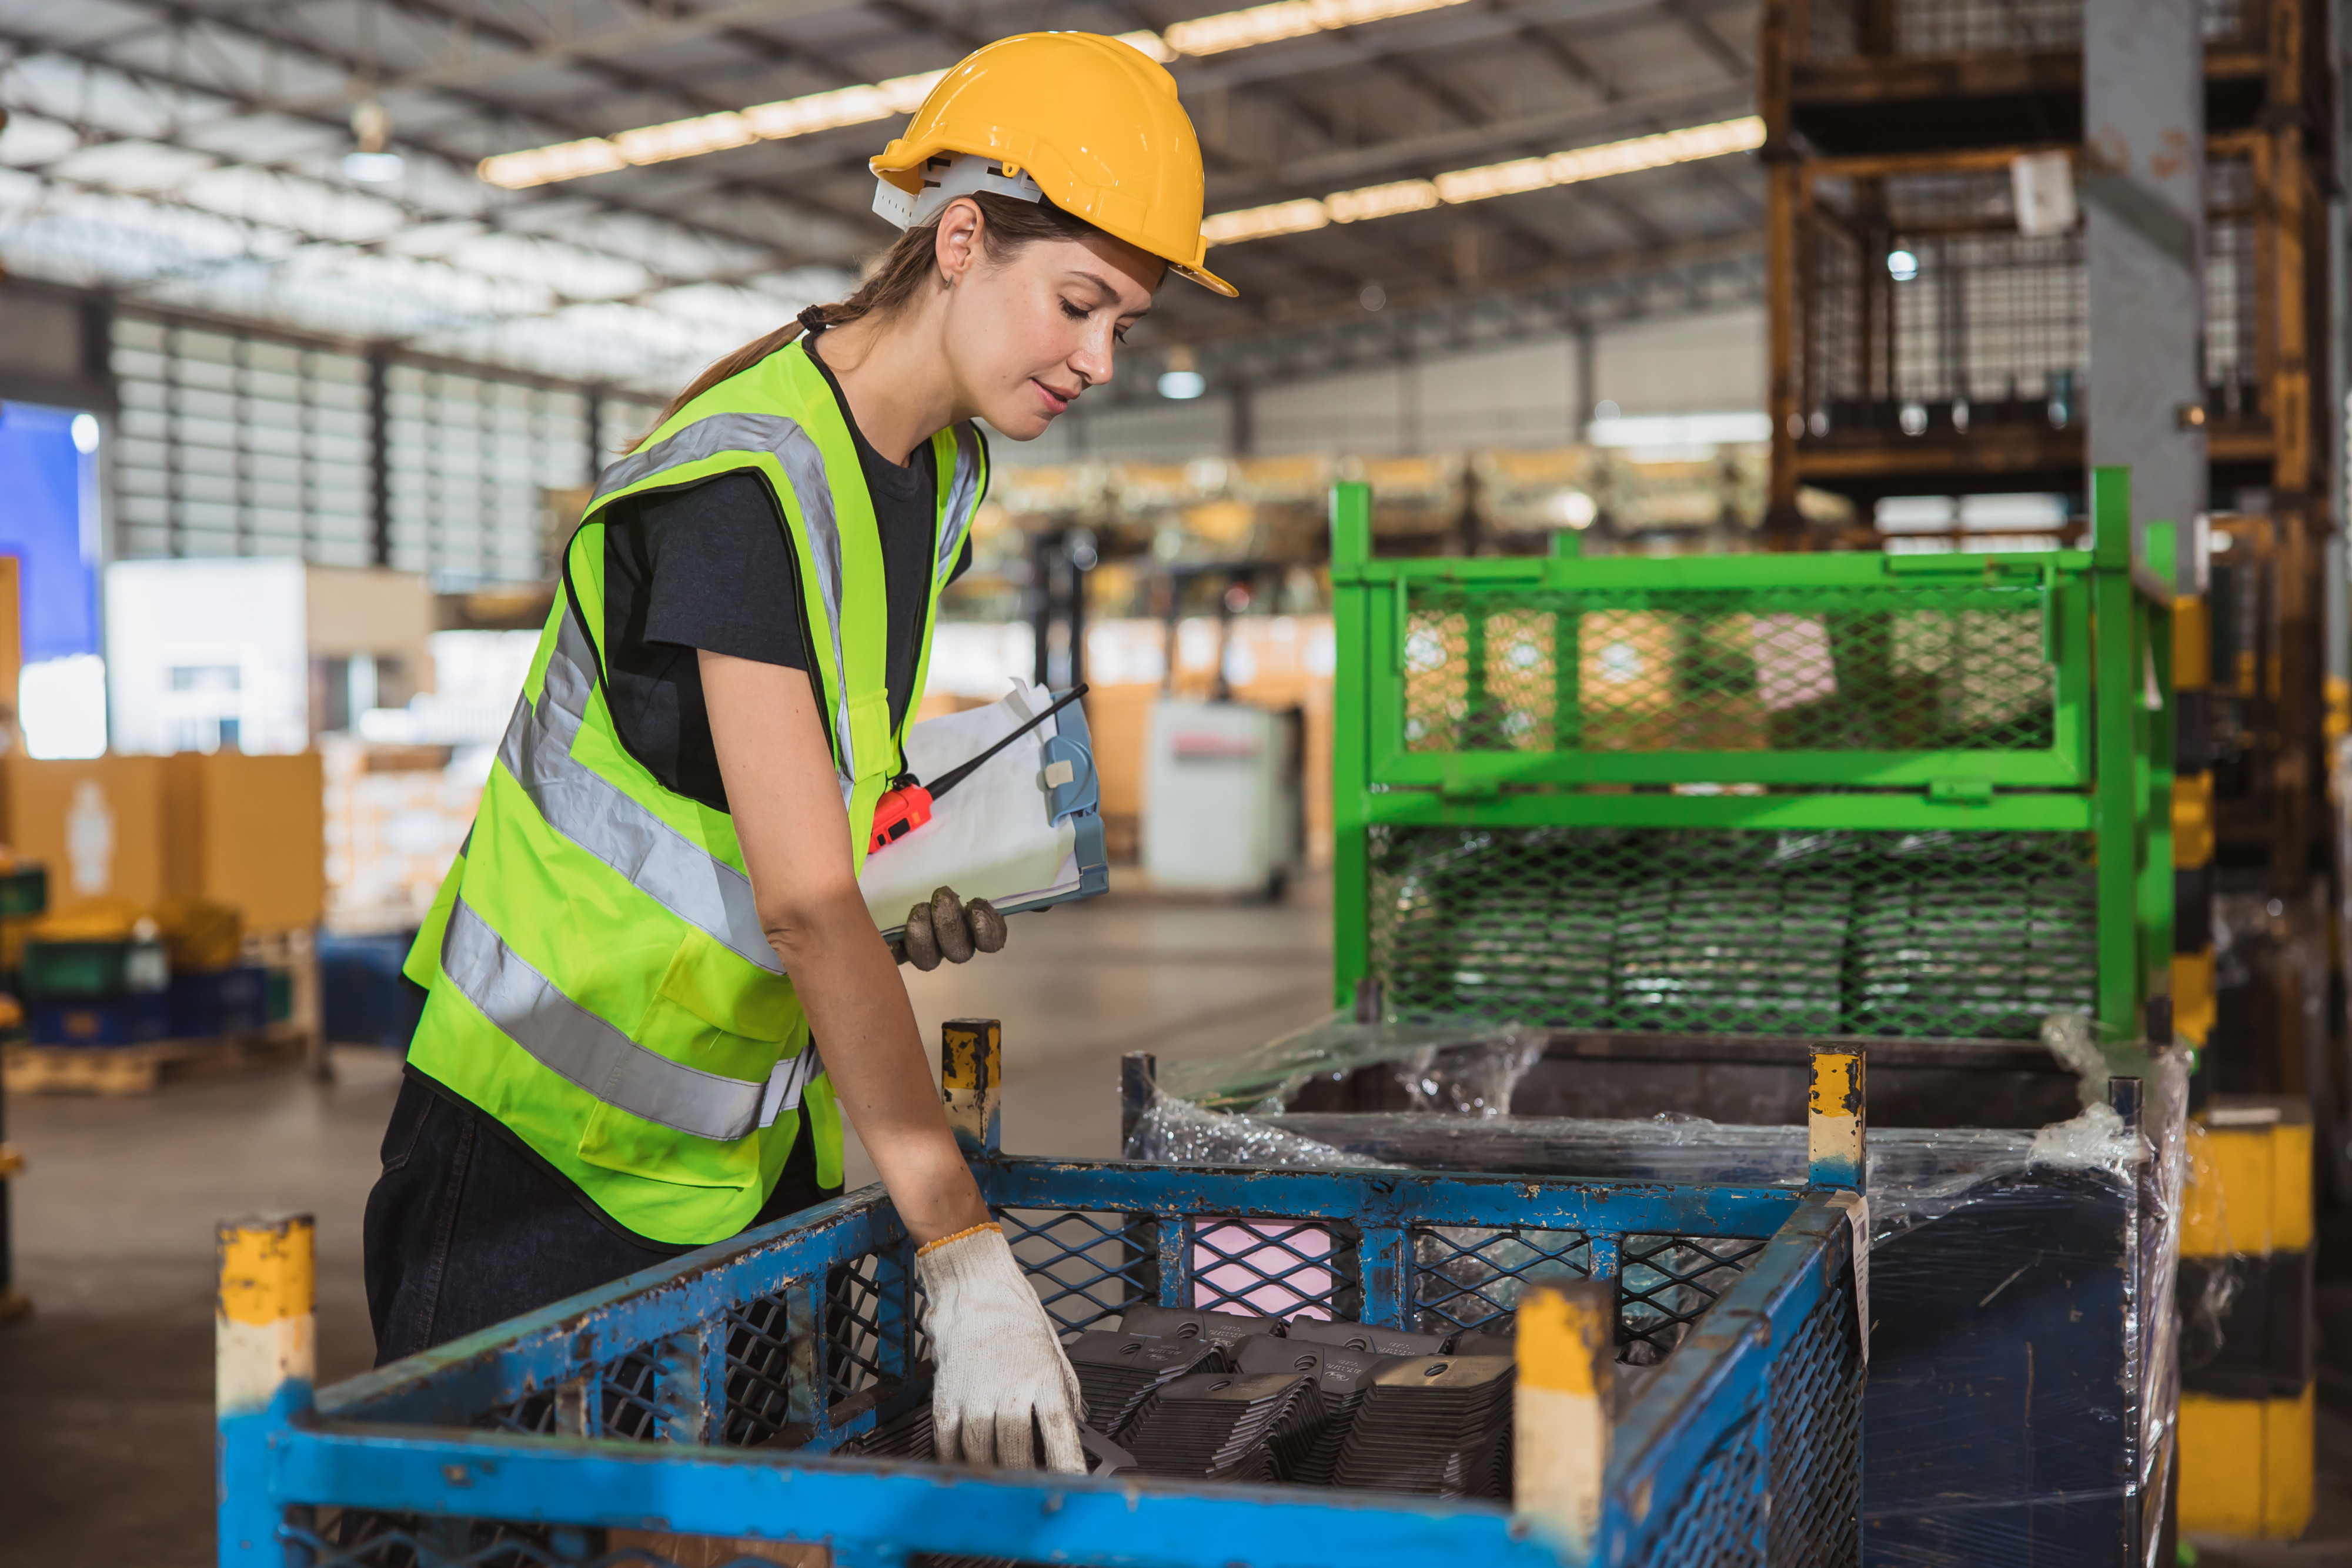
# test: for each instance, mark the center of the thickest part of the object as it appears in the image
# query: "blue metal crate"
(706, 1398)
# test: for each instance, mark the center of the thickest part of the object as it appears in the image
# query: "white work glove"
(947, 927)
(1000, 1362)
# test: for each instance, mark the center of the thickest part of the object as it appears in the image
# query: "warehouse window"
(233, 444)
(473, 462)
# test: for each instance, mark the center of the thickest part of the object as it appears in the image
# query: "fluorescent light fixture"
(677, 139)
(1382, 201)
(372, 168)
(1902, 266)
(1569, 168)
(1261, 222)
(1679, 429)
(1182, 385)
(817, 111)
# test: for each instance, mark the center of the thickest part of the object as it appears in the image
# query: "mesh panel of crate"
(1815, 1408)
(1087, 1268)
(1472, 1278)
(1465, 1277)
(1949, 664)
(1839, 30)
(1725, 931)
(1990, 319)
(1720, 1519)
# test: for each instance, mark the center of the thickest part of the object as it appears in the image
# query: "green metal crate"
(1817, 794)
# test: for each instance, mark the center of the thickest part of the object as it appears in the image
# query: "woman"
(657, 912)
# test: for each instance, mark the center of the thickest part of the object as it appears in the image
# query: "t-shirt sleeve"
(722, 576)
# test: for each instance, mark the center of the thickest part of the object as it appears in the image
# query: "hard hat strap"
(945, 178)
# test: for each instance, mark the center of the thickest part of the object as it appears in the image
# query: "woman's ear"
(957, 249)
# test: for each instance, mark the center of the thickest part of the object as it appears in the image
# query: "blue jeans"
(466, 1229)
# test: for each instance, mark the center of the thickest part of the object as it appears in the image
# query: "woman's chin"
(1019, 423)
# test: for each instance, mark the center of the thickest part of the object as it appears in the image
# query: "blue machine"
(706, 1398)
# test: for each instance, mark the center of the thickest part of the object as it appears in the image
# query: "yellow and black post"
(1566, 1346)
(971, 1078)
(2246, 1366)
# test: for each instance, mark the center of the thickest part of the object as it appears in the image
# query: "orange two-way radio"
(906, 804)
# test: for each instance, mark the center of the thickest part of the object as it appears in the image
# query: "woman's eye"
(1118, 334)
(1071, 311)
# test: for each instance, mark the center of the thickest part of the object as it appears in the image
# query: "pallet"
(119, 1070)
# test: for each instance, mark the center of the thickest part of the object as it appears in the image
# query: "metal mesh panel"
(1724, 931)
(1276, 1267)
(760, 1382)
(860, 1323)
(1950, 666)
(1927, 310)
(412, 1541)
(1664, 1283)
(1917, 28)
(1465, 1277)
(1721, 1519)
(1086, 1267)
(1816, 1414)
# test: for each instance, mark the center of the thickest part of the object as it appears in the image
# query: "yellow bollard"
(264, 1333)
(1560, 1440)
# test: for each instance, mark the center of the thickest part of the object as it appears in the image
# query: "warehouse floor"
(106, 1456)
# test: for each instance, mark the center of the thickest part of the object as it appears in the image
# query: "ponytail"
(1009, 224)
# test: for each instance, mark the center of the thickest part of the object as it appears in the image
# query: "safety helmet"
(1090, 123)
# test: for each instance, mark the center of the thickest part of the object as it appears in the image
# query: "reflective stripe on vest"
(597, 815)
(962, 496)
(576, 1044)
(803, 464)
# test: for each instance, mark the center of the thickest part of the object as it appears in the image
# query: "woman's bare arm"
(770, 736)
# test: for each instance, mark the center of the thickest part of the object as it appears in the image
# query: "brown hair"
(1010, 224)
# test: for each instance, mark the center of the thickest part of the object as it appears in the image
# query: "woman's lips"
(1055, 401)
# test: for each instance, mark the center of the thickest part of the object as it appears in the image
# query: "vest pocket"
(714, 1012)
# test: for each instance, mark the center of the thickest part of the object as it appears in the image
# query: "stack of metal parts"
(1745, 954)
(1535, 953)
(1343, 1375)
(1435, 1423)
(1238, 1426)
(1974, 956)
(1118, 1372)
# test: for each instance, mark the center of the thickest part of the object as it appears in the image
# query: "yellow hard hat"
(1093, 122)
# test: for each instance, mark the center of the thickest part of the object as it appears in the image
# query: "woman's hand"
(1000, 1365)
(947, 927)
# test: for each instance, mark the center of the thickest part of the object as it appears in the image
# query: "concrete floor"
(106, 1454)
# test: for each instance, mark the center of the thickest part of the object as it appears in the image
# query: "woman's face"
(1026, 336)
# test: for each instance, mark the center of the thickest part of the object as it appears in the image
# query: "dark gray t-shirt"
(707, 565)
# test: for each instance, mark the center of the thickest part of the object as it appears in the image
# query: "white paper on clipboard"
(995, 835)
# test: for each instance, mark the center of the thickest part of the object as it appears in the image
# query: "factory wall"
(1524, 396)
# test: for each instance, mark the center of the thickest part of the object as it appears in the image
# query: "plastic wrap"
(2023, 1386)
(1470, 1066)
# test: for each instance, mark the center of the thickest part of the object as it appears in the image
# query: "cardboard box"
(249, 832)
(97, 825)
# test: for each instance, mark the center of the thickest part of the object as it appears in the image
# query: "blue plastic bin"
(218, 1002)
(135, 1019)
(363, 999)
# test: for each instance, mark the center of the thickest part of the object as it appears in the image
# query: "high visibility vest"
(598, 978)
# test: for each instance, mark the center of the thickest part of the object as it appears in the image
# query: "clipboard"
(1024, 832)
